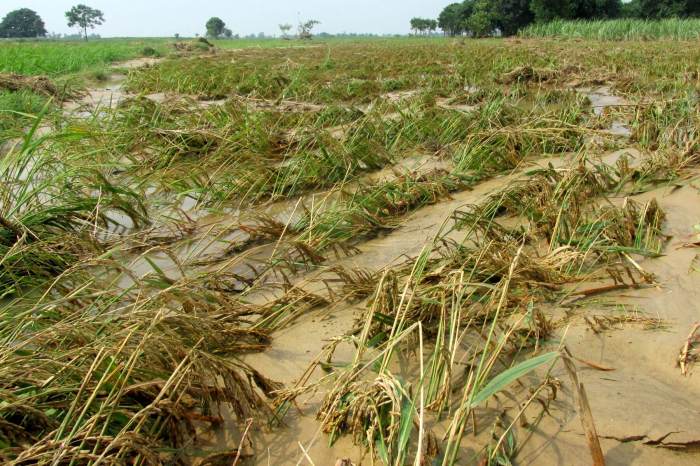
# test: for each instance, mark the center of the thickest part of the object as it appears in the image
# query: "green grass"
(619, 29)
(57, 58)
(15, 108)
(61, 58)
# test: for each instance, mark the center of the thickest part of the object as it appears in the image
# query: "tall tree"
(656, 9)
(416, 25)
(22, 23)
(548, 10)
(215, 27)
(423, 25)
(511, 15)
(598, 9)
(483, 17)
(432, 25)
(450, 19)
(84, 17)
(482, 20)
(631, 9)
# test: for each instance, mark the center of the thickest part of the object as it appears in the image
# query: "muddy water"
(288, 358)
(112, 92)
(602, 98)
(107, 96)
(215, 232)
(422, 226)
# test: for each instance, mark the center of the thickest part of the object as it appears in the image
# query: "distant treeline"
(486, 17)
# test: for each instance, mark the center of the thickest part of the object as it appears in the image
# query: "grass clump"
(122, 379)
(18, 109)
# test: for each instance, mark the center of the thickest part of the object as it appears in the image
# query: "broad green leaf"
(505, 378)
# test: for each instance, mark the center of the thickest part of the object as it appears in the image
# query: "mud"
(602, 99)
(137, 63)
(111, 93)
(645, 409)
(399, 96)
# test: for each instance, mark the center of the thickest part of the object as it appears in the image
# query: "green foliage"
(61, 58)
(668, 8)
(511, 15)
(22, 23)
(481, 21)
(452, 18)
(619, 29)
(482, 17)
(423, 25)
(85, 18)
(15, 108)
(215, 27)
(548, 10)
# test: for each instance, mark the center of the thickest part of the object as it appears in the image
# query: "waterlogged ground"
(362, 240)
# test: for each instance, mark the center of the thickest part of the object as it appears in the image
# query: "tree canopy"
(22, 23)
(453, 18)
(84, 17)
(423, 25)
(512, 15)
(484, 17)
(215, 27)
(547, 10)
(654, 9)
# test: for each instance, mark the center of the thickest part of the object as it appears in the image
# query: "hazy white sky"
(187, 17)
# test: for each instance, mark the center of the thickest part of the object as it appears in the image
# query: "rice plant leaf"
(155, 267)
(383, 318)
(377, 340)
(504, 379)
(407, 409)
(382, 450)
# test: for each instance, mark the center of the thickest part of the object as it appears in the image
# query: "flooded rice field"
(480, 252)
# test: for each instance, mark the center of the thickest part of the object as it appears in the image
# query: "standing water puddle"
(602, 98)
